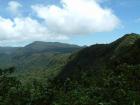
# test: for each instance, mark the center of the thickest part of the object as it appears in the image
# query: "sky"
(81, 22)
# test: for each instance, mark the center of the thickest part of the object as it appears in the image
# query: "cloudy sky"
(82, 22)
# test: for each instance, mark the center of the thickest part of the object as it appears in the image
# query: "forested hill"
(106, 74)
(36, 56)
(95, 57)
(102, 74)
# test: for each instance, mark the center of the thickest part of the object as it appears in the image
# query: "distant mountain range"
(64, 74)
(37, 55)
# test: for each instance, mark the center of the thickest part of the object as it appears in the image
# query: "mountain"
(106, 74)
(36, 56)
(7, 50)
(101, 74)
(99, 55)
(47, 47)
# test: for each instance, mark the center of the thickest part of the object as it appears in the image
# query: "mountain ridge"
(106, 74)
(37, 54)
(100, 53)
(101, 74)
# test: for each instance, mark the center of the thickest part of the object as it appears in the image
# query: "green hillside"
(101, 74)
(98, 56)
(36, 56)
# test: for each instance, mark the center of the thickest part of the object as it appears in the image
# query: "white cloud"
(14, 7)
(74, 17)
(77, 17)
(25, 29)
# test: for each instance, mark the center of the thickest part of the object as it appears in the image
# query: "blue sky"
(24, 21)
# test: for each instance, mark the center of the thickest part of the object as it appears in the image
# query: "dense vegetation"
(13, 92)
(36, 56)
(102, 74)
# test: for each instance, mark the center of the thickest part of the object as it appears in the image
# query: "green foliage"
(102, 75)
(106, 74)
(36, 56)
(13, 92)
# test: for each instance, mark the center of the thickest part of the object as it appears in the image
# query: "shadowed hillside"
(106, 74)
(102, 74)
